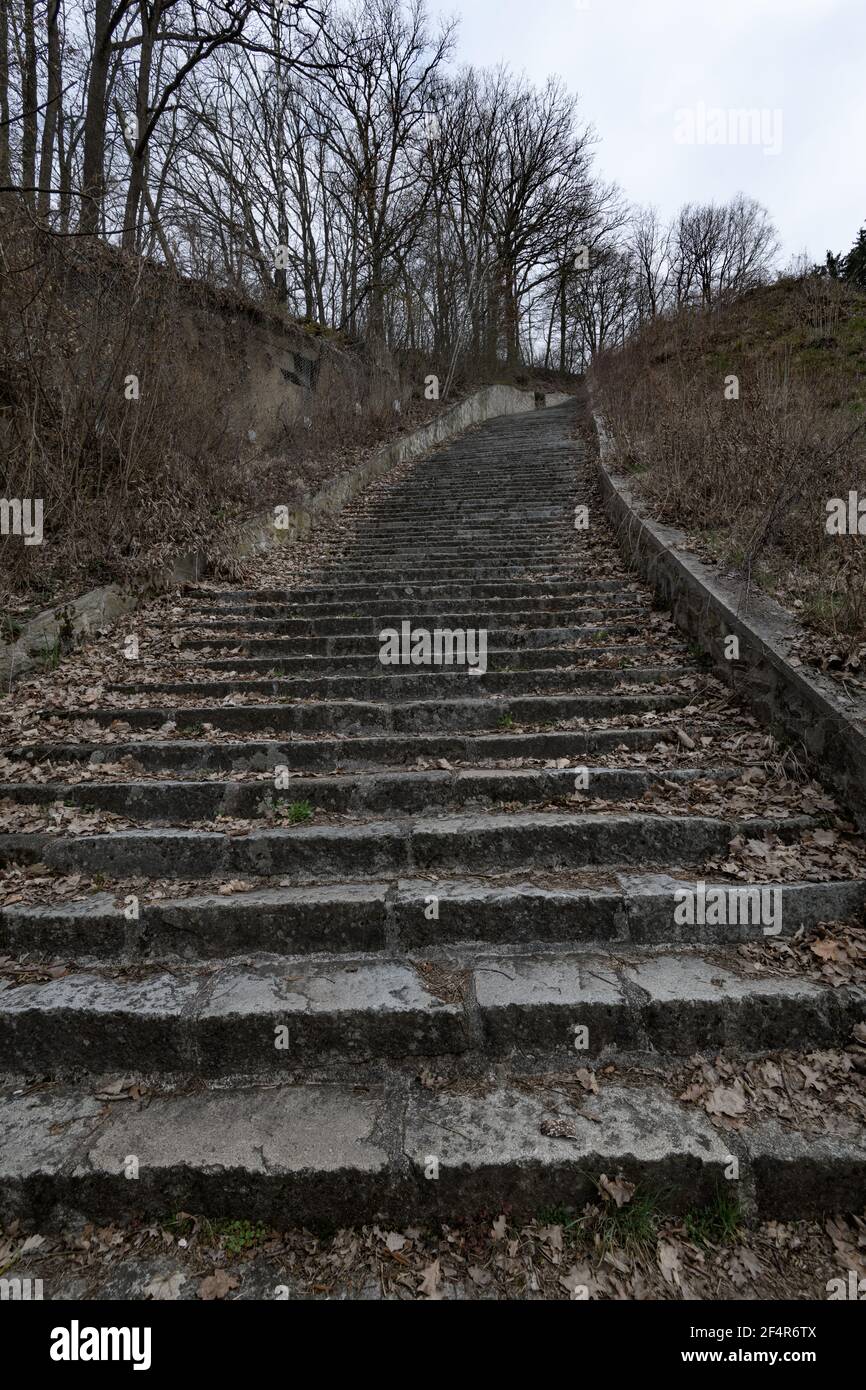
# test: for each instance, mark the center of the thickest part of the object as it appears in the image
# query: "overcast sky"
(653, 75)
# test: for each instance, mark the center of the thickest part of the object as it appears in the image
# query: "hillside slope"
(151, 413)
(740, 426)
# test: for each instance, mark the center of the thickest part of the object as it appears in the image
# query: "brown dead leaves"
(811, 856)
(16, 973)
(848, 1235)
(55, 818)
(815, 1092)
(616, 1190)
(833, 952)
(505, 1259)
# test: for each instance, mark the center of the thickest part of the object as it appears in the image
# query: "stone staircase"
(445, 974)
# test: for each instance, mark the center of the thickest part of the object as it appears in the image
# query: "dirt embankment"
(150, 415)
(741, 426)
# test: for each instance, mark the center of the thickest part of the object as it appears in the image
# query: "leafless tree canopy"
(335, 159)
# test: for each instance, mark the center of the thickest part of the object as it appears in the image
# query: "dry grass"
(750, 477)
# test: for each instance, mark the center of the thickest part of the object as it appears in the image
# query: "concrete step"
(553, 614)
(498, 638)
(581, 658)
(467, 844)
(465, 715)
(457, 572)
(567, 598)
(371, 793)
(327, 1156)
(419, 683)
(350, 754)
(273, 1014)
(415, 914)
(340, 593)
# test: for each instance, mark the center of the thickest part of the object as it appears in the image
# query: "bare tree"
(5, 120)
(649, 242)
(52, 106)
(108, 15)
(381, 62)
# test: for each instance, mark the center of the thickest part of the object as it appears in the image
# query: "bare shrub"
(133, 441)
(752, 476)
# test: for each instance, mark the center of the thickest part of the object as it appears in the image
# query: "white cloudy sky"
(635, 63)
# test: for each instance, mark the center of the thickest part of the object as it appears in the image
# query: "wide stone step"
(467, 844)
(360, 717)
(422, 554)
(458, 571)
(273, 1014)
(349, 754)
(339, 593)
(552, 615)
(419, 683)
(493, 529)
(531, 636)
(427, 555)
(421, 596)
(498, 659)
(418, 914)
(403, 529)
(327, 1156)
(381, 792)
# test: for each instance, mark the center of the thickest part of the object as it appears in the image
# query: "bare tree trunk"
(376, 315)
(492, 334)
(156, 225)
(5, 169)
(549, 341)
(353, 272)
(52, 112)
(93, 180)
(281, 276)
(512, 346)
(137, 167)
(440, 325)
(305, 218)
(29, 102)
(563, 324)
(68, 138)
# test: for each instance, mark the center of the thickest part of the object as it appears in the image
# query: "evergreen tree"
(855, 261)
(833, 265)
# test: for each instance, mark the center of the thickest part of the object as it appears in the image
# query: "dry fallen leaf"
(217, 1285)
(744, 1266)
(499, 1227)
(670, 1263)
(165, 1287)
(234, 885)
(578, 1282)
(827, 950)
(727, 1100)
(431, 1278)
(617, 1190)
